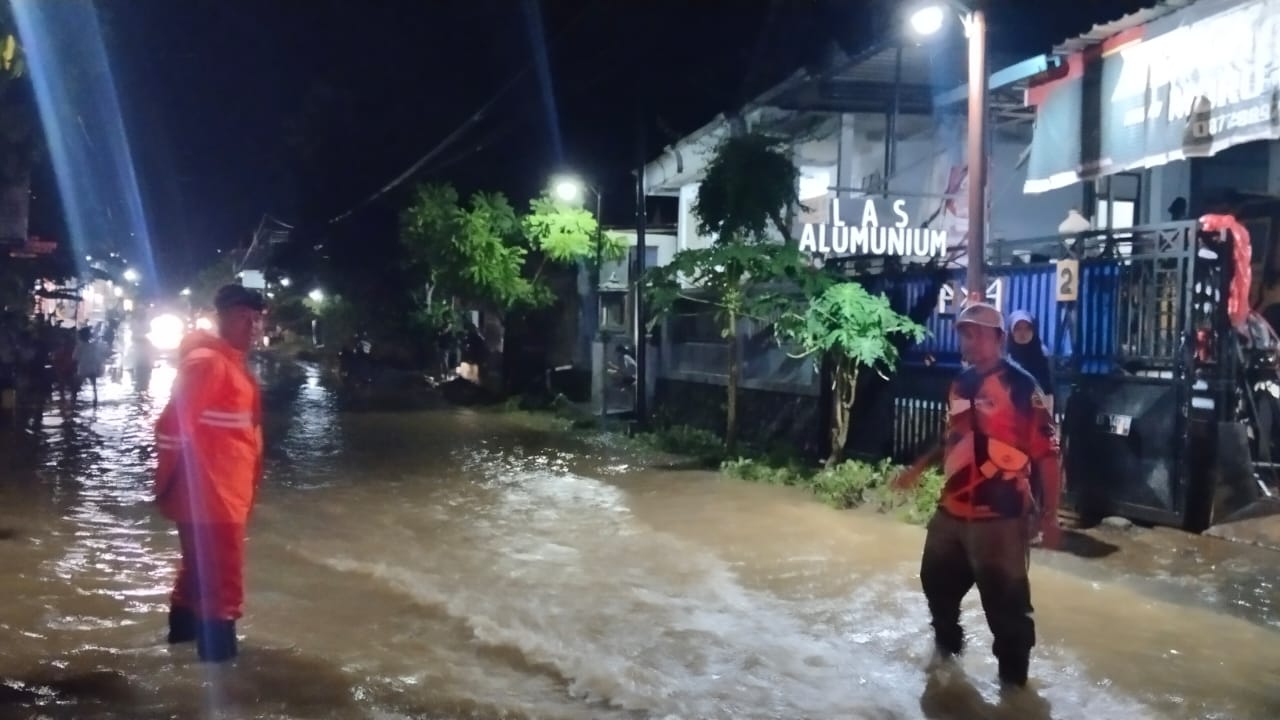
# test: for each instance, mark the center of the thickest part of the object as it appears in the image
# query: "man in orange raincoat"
(209, 441)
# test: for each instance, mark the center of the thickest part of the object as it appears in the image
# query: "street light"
(928, 19)
(571, 189)
(186, 292)
(316, 295)
(131, 275)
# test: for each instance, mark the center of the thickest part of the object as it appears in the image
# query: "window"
(1125, 212)
(1124, 190)
(650, 256)
(815, 183)
(613, 310)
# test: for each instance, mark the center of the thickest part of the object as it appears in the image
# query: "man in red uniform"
(998, 426)
(209, 439)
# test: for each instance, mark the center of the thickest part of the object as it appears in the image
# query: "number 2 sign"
(1068, 280)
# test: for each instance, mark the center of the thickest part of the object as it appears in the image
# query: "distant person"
(626, 367)
(474, 353)
(144, 362)
(1029, 352)
(209, 439)
(90, 359)
(998, 427)
(64, 363)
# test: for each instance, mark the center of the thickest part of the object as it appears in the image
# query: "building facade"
(886, 126)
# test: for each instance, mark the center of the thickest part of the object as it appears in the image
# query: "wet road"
(455, 564)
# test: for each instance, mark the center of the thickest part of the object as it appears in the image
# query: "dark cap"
(232, 296)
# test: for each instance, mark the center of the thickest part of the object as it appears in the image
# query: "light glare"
(569, 190)
(928, 19)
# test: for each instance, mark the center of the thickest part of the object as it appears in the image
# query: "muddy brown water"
(456, 564)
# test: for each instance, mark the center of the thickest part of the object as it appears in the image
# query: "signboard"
(1190, 84)
(1068, 282)
(871, 226)
(253, 279)
(34, 247)
(952, 297)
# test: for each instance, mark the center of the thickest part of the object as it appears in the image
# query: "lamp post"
(571, 189)
(928, 19)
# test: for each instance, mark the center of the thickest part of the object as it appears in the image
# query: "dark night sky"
(216, 94)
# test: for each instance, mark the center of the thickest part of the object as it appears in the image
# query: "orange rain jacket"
(209, 436)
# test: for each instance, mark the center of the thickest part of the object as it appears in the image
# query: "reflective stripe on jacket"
(209, 436)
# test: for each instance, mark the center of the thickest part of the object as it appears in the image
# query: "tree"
(482, 254)
(855, 330)
(739, 281)
(467, 253)
(206, 282)
(750, 186)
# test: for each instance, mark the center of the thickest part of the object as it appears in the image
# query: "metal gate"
(1123, 314)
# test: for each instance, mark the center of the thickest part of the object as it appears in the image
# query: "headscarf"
(1032, 356)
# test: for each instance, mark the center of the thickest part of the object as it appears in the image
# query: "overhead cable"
(452, 137)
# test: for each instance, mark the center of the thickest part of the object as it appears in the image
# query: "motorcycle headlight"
(166, 332)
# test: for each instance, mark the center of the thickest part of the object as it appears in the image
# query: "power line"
(452, 137)
(489, 141)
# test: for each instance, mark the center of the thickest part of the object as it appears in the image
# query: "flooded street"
(456, 564)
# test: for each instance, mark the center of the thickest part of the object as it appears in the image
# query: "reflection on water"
(450, 565)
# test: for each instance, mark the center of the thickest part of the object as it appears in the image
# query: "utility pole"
(640, 331)
(599, 309)
(975, 276)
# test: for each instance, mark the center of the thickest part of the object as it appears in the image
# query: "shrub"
(765, 472)
(848, 485)
(916, 505)
(686, 440)
(853, 484)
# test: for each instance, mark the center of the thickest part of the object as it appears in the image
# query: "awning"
(1192, 83)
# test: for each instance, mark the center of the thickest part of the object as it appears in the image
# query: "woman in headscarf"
(1026, 349)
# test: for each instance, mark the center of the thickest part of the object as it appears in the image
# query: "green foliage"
(759, 471)
(851, 324)
(740, 280)
(482, 252)
(750, 184)
(850, 484)
(855, 329)
(13, 61)
(918, 504)
(340, 318)
(290, 312)
(565, 233)
(686, 440)
(435, 317)
(471, 250)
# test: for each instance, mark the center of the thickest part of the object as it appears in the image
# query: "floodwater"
(455, 564)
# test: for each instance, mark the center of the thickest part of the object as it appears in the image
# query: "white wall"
(687, 224)
(923, 161)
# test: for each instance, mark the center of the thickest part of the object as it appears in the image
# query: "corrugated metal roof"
(1102, 31)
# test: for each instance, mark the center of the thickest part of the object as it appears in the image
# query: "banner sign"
(1190, 84)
